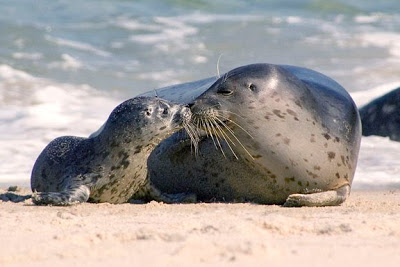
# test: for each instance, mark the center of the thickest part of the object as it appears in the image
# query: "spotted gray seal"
(290, 136)
(382, 116)
(110, 166)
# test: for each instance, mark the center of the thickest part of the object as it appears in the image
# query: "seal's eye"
(225, 92)
(165, 111)
(252, 87)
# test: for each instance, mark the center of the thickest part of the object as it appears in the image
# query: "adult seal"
(110, 166)
(289, 135)
(382, 116)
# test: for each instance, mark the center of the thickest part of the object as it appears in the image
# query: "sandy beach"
(364, 231)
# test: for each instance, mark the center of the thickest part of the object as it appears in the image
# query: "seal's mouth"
(219, 125)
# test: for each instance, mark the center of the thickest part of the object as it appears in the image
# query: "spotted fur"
(110, 166)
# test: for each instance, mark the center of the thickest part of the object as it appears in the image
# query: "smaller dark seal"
(382, 116)
(110, 166)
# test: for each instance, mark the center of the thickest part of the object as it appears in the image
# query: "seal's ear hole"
(225, 92)
(252, 87)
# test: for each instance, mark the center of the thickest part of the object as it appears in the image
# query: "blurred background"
(64, 65)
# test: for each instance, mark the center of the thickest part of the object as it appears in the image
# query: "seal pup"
(289, 135)
(112, 165)
(382, 116)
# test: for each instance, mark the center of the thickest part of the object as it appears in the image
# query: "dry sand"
(364, 231)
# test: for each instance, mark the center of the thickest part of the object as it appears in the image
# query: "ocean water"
(64, 65)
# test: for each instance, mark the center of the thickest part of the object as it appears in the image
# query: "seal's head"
(150, 118)
(244, 104)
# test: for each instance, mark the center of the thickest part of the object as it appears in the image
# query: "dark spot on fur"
(266, 117)
(337, 139)
(300, 183)
(289, 179)
(344, 163)
(256, 156)
(278, 113)
(277, 100)
(327, 136)
(278, 134)
(251, 107)
(125, 163)
(331, 155)
(115, 167)
(337, 175)
(306, 160)
(313, 175)
(114, 144)
(298, 103)
(317, 168)
(326, 145)
(291, 112)
(138, 149)
(286, 140)
(162, 128)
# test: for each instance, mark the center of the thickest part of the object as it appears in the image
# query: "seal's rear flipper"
(70, 196)
(327, 198)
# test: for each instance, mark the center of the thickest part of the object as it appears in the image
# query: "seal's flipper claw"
(327, 198)
(70, 196)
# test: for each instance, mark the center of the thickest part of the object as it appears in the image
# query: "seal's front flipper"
(156, 195)
(177, 198)
(327, 198)
(70, 196)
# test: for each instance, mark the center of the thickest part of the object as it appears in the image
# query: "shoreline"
(364, 230)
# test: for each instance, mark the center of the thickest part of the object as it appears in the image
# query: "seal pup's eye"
(165, 111)
(252, 87)
(225, 92)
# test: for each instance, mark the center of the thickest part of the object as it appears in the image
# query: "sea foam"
(34, 111)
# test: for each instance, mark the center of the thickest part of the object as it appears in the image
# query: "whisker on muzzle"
(214, 124)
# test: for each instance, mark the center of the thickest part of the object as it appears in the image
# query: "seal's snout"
(181, 116)
(200, 107)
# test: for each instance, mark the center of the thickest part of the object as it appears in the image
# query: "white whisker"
(238, 125)
(219, 58)
(225, 137)
(217, 138)
(234, 136)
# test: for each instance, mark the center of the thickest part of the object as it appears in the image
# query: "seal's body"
(112, 165)
(382, 116)
(289, 135)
